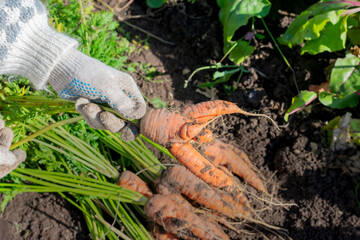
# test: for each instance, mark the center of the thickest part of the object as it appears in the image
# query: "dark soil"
(41, 216)
(298, 156)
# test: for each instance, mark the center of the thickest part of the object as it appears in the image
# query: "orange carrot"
(176, 197)
(178, 179)
(180, 221)
(201, 167)
(205, 111)
(162, 126)
(159, 233)
(237, 162)
(131, 181)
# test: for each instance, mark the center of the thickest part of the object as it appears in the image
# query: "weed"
(328, 26)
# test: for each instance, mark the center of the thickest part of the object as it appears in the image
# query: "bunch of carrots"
(206, 177)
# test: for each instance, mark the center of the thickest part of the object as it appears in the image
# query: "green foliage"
(95, 31)
(235, 14)
(300, 101)
(343, 91)
(155, 3)
(321, 27)
(157, 103)
(329, 26)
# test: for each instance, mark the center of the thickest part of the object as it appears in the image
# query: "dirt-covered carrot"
(180, 221)
(178, 179)
(236, 161)
(131, 181)
(159, 233)
(205, 111)
(188, 156)
(162, 126)
(176, 197)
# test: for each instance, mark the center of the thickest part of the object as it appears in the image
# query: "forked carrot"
(162, 126)
(180, 221)
(131, 181)
(178, 179)
(237, 162)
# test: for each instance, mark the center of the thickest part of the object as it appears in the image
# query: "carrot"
(204, 136)
(237, 162)
(162, 126)
(180, 221)
(202, 168)
(178, 179)
(159, 233)
(176, 197)
(206, 111)
(131, 181)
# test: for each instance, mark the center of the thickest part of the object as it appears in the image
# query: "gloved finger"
(111, 122)
(2, 123)
(8, 161)
(91, 113)
(6, 157)
(20, 154)
(129, 132)
(6, 137)
(125, 97)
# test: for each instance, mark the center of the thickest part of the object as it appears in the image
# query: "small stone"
(314, 147)
(185, 71)
(297, 151)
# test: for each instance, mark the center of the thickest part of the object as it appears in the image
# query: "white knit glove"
(29, 47)
(8, 160)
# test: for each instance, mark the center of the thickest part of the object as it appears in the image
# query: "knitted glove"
(8, 160)
(30, 48)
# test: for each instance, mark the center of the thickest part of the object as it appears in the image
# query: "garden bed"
(297, 157)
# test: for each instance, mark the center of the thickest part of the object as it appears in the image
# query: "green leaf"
(158, 103)
(155, 3)
(345, 76)
(312, 22)
(220, 74)
(300, 101)
(236, 13)
(337, 101)
(241, 51)
(259, 36)
(331, 39)
(355, 130)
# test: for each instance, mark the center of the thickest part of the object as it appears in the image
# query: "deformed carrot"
(180, 221)
(205, 111)
(159, 233)
(161, 125)
(237, 162)
(178, 179)
(176, 197)
(131, 181)
(201, 167)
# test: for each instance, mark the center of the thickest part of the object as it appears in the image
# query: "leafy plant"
(155, 3)
(328, 26)
(235, 14)
(325, 26)
(68, 158)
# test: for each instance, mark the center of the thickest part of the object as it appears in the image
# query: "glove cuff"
(36, 50)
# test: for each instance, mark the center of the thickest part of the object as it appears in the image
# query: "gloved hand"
(8, 160)
(30, 47)
(85, 79)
